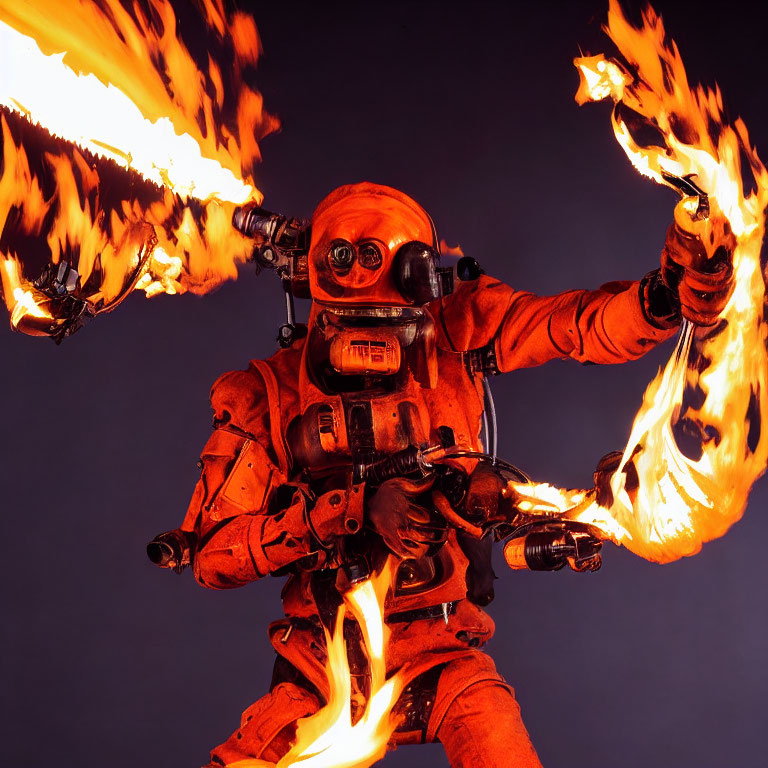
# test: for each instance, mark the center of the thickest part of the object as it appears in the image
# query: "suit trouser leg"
(267, 727)
(483, 728)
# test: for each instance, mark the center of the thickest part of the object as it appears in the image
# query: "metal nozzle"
(687, 187)
(172, 549)
(279, 238)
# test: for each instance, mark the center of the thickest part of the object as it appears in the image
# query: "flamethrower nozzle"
(279, 238)
(253, 221)
(687, 187)
(550, 545)
(172, 549)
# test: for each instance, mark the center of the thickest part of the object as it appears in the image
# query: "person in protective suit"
(315, 466)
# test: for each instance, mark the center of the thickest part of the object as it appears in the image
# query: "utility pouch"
(248, 487)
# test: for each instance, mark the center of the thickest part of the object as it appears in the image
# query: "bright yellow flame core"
(22, 301)
(683, 501)
(103, 120)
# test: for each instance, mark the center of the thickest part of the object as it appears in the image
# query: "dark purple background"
(107, 661)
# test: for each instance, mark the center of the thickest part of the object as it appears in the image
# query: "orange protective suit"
(277, 495)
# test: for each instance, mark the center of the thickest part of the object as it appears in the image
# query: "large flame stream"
(115, 83)
(330, 738)
(698, 443)
(58, 98)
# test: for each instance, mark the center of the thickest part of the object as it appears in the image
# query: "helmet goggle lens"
(342, 254)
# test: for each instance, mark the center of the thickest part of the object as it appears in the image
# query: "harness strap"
(275, 418)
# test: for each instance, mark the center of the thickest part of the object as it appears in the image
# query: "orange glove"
(700, 283)
(408, 528)
(484, 504)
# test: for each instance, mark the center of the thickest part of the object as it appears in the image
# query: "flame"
(115, 85)
(329, 739)
(22, 300)
(450, 250)
(697, 444)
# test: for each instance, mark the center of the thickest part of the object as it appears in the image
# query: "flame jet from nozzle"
(185, 137)
(690, 461)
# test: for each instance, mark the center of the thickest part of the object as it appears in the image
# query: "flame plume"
(698, 443)
(329, 739)
(117, 88)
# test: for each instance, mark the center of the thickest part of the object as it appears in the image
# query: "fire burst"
(117, 87)
(697, 444)
(329, 739)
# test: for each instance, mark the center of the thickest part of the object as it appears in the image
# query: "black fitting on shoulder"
(482, 360)
(468, 268)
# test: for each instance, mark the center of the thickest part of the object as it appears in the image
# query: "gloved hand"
(489, 500)
(697, 266)
(409, 530)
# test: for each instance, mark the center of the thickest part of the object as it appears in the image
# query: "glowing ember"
(328, 739)
(697, 444)
(117, 85)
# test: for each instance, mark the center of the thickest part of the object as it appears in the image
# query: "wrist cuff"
(660, 306)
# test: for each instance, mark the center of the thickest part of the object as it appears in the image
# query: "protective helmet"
(374, 245)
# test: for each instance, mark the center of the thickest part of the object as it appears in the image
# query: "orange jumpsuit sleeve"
(608, 325)
(248, 521)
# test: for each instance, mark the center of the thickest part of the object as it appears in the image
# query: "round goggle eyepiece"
(341, 255)
(369, 256)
